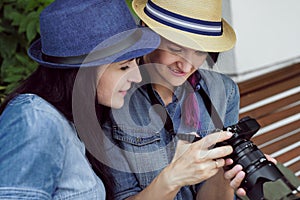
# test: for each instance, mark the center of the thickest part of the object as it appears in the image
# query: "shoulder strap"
(208, 105)
(168, 125)
(210, 108)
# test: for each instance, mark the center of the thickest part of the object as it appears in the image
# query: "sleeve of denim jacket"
(233, 102)
(126, 184)
(32, 152)
(232, 106)
(224, 94)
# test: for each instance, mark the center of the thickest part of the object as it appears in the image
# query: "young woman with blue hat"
(174, 102)
(87, 54)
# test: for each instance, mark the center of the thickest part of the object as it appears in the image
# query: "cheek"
(104, 92)
(162, 58)
(199, 60)
(100, 92)
(108, 90)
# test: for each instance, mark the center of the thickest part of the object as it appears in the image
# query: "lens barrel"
(257, 168)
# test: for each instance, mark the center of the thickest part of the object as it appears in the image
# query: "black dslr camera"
(256, 166)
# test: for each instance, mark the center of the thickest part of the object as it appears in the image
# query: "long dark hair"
(56, 87)
(53, 85)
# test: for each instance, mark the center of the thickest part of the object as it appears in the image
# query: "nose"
(185, 65)
(135, 74)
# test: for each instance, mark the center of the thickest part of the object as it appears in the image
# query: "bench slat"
(273, 99)
(270, 78)
(281, 144)
(294, 167)
(264, 93)
(268, 108)
(263, 138)
(289, 155)
(277, 116)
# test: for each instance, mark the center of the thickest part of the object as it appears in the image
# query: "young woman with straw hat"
(177, 100)
(87, 54)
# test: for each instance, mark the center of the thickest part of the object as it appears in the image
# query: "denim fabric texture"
(137, 133)
(41, 156)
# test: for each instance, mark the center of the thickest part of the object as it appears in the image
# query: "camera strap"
(212, 111)
(168, 125)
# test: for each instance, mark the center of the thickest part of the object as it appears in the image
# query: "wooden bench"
(273, 99)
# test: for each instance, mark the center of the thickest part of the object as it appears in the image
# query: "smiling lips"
(124, 91)
(177, 72)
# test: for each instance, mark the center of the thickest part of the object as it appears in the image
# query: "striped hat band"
(196, 26)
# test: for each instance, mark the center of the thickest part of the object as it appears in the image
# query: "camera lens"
(248, 155)
(256, 166)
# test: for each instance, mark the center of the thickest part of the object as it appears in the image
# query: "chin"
(117, 105)
(176, 84)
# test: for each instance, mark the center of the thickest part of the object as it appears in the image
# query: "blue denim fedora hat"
(88, 33)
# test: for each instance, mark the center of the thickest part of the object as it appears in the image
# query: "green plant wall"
(19, 26)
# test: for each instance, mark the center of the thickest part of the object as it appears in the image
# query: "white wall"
(268, 36)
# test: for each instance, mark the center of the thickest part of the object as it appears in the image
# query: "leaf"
(2, 87)
(31, 31)
(15, 70)
(7, 10)
(10, 87)
(16, 18)
(23, 59)
(12, 78)
(31, 66)
(19, 25)
(31, 5)
(32, 16)
(6, 66)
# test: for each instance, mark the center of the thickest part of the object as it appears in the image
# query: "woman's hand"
(196, 162)
(236, 175)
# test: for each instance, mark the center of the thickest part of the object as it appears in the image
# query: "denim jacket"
(140, 146)
(41, 156)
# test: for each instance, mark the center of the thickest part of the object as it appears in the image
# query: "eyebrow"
(174, 44)
(126, 61)
(184, 48)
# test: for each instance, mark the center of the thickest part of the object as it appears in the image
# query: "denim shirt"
(41, 156)
(140, 146)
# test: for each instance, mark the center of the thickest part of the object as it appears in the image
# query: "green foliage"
(19, 26)
(129, 4)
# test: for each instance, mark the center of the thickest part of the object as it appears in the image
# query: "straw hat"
(76, 33)
(197, 24)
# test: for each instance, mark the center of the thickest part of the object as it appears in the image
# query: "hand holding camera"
(196, 162)
(257, 168)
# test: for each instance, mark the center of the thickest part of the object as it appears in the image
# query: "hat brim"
(194, 41)
(148, 42)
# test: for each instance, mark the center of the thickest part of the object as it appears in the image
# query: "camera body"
(256, 166)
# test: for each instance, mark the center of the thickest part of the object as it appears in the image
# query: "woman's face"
(114, 80)
(172, 63)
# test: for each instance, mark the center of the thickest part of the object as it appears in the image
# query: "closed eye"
(200, 53)
(124, 65)
(124, 68)
(175, 50)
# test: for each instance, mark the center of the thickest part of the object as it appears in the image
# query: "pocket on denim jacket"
(136, 139)
(135, 136)
(148, 155)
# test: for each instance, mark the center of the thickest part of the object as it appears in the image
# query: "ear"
(143, 23)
